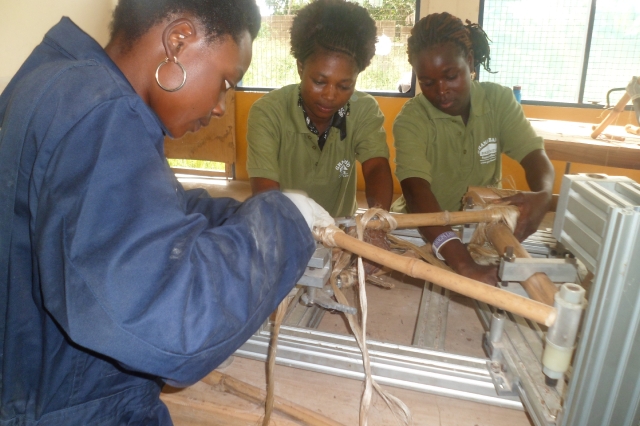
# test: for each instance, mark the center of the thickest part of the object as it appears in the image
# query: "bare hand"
(487, 274)
(378, 238)
(532, 206)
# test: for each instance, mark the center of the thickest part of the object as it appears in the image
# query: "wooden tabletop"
(571, 141)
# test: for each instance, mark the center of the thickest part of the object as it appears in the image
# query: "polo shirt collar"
(478, 105)
(299, 117)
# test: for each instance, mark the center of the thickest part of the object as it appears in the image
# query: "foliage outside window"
(567, 51)
(273, 66)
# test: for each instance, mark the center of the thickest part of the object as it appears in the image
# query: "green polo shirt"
(283, 149)
(440, 149)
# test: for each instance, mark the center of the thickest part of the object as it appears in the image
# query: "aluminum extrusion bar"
(431, 325)
(518, 367)
(394, 365)
(605, 389)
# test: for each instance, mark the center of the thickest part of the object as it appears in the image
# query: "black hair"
(439, 28)
(133, 18)
(335, 25)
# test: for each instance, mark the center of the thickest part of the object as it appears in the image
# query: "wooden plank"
(571, 141)
(337, 398)
(216, 142)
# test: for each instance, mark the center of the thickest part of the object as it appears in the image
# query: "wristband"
(441, 240)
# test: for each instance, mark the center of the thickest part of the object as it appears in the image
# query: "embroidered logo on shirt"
(343, 168)
(488, 151)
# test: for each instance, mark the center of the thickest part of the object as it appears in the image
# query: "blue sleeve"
(134, 268)
(217, 210)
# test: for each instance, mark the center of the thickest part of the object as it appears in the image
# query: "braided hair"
(439, 28)
(335, 25)
(133, 18)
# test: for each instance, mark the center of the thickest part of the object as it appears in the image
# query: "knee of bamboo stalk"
(539, 287)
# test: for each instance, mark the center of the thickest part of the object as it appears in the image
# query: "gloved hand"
(633, 88)
(312, 212)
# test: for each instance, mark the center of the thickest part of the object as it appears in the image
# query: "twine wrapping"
(325, 235)
(479, 247)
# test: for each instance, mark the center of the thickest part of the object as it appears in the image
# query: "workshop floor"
(392, 316)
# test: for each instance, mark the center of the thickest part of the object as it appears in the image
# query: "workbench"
(571, 141)
(392, 319)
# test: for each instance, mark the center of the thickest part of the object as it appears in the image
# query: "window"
(564, 51)
(273, 66)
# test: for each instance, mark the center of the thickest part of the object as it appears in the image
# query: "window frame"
(583, 75)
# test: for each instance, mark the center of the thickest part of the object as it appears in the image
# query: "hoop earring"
(184, 75)
(473, 75)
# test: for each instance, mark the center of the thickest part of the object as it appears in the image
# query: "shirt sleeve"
(411, 136)
(370, 139)
(216, 210)
(517, 136)
(263, 138)
(135, 269)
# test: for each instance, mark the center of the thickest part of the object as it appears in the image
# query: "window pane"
(273, 66)
(615, 49)
(538, 45)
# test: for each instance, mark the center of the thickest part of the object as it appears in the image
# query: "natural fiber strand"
(271, 359)
(398, 408)
(424, 252)
(479, 247)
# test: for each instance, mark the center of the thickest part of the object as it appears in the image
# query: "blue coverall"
(113, 278)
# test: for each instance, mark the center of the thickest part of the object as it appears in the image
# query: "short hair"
(133, 18)
(335, 25)
(439, 28)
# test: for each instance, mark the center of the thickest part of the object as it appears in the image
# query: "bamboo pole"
(539, 287)
(613, 114)
(634, 130)
(527, 308)
(254, 394)
(415, 220)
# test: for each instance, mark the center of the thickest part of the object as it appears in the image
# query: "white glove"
(312, 212)
(633, 88)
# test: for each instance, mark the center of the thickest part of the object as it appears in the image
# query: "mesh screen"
(540, 45)
(615, 49)
(273, 65)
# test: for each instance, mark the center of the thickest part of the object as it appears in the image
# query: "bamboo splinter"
(527, 308)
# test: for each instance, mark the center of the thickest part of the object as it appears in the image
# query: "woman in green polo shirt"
(308, 136)
(452, 135)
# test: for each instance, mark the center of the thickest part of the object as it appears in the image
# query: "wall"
(464, 9)
(23, 24)
(511, 170)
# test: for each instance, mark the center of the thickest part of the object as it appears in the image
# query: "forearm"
(259, 185)
(636, 107)
(378, 182)
(216, 210)
(420, 199)
(539, 172)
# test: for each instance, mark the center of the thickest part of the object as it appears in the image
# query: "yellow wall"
(391, 107)
(23, 23)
